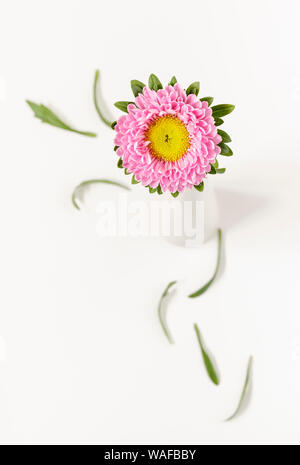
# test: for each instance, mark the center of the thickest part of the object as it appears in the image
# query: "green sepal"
(113, 125)
(200, 188)
(116, 147)
(212, 170)
(152, 189)
(159, 191)
(137, 87)
(225, 137)
(220, 170)
(126, 172)
(193, 88)
(225, 150)
(222, 110)
(133, 180)
(123, 106)
(209, 100)
(173, 81)
(175, 194)
(215, 164)
(218, 121)
(154, 83)
(120, 163)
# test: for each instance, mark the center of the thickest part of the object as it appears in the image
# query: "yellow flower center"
(169, 138)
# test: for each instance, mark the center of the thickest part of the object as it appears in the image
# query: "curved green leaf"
(160, 314)
(244, 391)
(101, 116)
(94, 181)
(210, 282)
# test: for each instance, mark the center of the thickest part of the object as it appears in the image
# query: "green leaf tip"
(225, 150)
(175, 194)
(173, 81)
(222, 110)
(193, 88)
(200, 188)
(219, 121)
(206, 359)
(160, 312)
(133, 180)
(154, 83)
(123, 105)
(210, 282)
(47, 116)
(98, 110)
(95, 181)
(209, 100)
(244, 391)
(225, 137)
(137, 87)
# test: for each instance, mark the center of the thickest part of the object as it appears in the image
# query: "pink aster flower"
(169, 140)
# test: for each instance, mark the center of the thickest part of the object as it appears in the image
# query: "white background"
(82, 356)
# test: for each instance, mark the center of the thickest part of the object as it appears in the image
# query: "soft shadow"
(235, 206)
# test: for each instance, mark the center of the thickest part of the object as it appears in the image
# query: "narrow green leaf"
(160, 312)
(225, 137)
(212, 170)
(210, 282)
(154, 83)
(173, 81)
(94, 181)
(101, 116)
(220, 170)
(244, 391)
(137, 87)
(222, 110)
(47, 116)
(175, 194)
(200, 188)
(209, 100)
(133, 180)
(126, 172)
(123, 106)
(120, 163)
(218, 121)
(113, 125)
(225, 150)
(193, 88)
(207, 362)
(216, 164)
(116, 147)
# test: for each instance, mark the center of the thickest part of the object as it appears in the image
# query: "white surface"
(82, 356)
